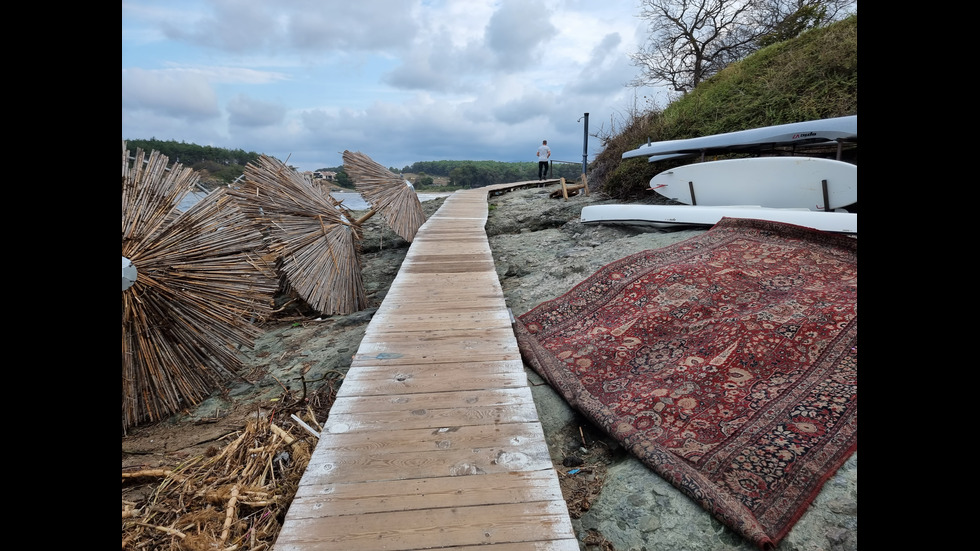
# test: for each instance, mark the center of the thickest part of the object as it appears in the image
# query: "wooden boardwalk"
(434, 441)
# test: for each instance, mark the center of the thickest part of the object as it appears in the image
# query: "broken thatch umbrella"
(314, 239)
(192, 283)
(388, 194)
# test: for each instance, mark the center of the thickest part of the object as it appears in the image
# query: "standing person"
(544, 153)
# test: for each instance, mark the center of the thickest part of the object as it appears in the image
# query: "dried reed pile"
(581, 488)
(316, 244)
(203, 275)
(229, 499)
(387, 193)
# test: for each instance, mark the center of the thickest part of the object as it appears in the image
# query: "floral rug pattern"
(726, 362)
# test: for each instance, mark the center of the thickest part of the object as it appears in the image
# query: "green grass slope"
(813, 76)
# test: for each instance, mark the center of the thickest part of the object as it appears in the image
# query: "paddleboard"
(777, 182)
(807, 132)
(674, 216)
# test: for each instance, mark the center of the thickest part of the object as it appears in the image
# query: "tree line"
(223, 166)
(218, 164)
(472, 174)
(469, 174)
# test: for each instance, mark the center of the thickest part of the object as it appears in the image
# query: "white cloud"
(180, 94)
(400, 80)
(250, 112)
(517, 33)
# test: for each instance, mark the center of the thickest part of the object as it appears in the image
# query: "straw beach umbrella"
(316, 243)
(192, 282)
(387, 193)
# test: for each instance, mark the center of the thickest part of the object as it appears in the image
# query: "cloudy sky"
(398, 80)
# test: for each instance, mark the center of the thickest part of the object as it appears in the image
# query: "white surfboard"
(796, 133)
(777, 182)
(674, 216)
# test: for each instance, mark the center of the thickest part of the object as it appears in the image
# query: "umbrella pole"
(365, 218)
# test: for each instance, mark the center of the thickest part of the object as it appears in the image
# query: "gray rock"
(543, 250)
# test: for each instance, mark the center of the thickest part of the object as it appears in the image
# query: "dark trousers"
(542, 170)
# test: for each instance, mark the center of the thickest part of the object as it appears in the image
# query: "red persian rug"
(727, 363)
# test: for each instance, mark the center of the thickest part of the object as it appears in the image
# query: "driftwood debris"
(232, 498)
(567, 191)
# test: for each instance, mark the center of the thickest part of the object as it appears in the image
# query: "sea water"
(351, 199)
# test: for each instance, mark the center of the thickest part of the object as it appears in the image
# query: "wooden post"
(564, 190)
(585, 182)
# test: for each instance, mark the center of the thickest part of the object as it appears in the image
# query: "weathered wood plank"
(434, 440)
(421, 529)
(404, 355)
(425, 493)
(428, 318)
(378, 370)
(394, 386)
(455, 287)
(504, 397)
(447, 335)
(517, 454)
(402, 441)
(440, 346)
(433, 418)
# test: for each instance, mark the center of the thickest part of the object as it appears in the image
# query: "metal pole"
(585, 145)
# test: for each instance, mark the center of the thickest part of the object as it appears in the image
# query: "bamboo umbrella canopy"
(200, 276)
(317, 245)
(387, 193)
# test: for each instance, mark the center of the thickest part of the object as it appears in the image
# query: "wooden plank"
(434, 418)
(420, 354)
(423, 308)
(426, 528)
(505, 397)
(368, 371)
(427, 439)
(475, 285)
(449, 335)
(459, 347)
(379, 369)
(335, 466)
(425, 493)
(448, 267)
(448, 257)
(439, 318)
(423, 353)
(398, 384)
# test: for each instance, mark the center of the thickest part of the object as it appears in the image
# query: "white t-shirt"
(543, 153)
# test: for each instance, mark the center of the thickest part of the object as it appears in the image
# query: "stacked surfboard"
(676, 216)
(817, 132)
(775, 182)
(806, 191)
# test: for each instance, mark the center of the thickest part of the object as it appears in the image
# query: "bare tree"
(691, 40)
(785, 19)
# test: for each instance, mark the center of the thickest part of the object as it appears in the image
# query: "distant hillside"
(813, 76)
(215, 165)
(221, 166)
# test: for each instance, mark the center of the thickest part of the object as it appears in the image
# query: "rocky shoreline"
(541, 251)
